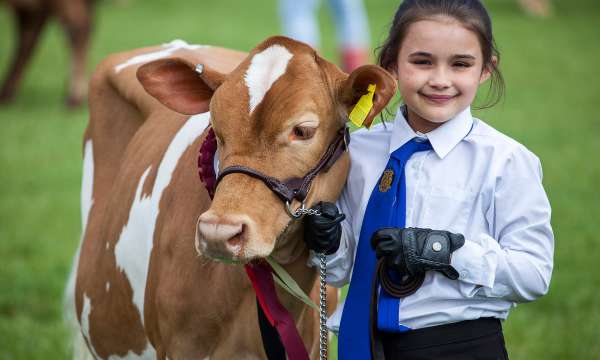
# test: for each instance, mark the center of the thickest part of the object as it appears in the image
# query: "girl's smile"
(439, 68)
(437, 99)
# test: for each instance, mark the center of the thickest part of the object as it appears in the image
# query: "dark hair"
(471, 13)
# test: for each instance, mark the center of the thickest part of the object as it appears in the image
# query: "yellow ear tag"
(363, 106)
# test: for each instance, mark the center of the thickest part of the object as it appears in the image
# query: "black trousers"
(480, 339)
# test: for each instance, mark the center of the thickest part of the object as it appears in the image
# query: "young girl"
(436, 167)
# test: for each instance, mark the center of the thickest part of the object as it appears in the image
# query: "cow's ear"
(180, 85)
(357, 84)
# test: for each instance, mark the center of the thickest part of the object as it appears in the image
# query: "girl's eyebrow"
(464, 56)
(458, 56)
(420, 53)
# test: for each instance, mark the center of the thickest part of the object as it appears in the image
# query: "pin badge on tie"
(386, 180)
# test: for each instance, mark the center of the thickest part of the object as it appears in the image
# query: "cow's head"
(277, 113)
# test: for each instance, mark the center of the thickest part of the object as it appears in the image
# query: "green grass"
(552, 72)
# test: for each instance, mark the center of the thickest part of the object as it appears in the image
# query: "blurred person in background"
(299, 21)
(541, 8)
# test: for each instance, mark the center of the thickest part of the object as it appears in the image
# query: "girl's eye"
(303, 132)
(422, 62)
(462, 64)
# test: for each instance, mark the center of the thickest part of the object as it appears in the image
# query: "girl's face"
(439, 67)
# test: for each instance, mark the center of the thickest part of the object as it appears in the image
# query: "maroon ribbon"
(261, 276)
(206, 158)
(259, 273)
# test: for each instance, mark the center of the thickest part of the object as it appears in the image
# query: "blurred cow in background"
(30, 18)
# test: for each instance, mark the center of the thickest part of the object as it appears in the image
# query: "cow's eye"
(303, 132)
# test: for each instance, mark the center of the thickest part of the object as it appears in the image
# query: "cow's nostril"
(234, 243)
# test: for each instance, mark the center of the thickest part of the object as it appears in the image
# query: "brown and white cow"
(145, 285)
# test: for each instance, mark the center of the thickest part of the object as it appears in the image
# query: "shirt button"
(463, 274)
(436, 246)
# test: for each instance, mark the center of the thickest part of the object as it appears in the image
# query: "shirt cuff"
(476, 261)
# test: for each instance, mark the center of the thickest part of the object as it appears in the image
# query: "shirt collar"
(443, 139)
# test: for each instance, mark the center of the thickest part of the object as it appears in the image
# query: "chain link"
(323, 332)
(304, 211)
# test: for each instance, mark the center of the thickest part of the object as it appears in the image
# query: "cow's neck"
(292, 254)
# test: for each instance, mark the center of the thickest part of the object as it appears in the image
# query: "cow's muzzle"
(222, 237)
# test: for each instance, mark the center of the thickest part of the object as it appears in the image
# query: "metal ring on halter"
(298, 212)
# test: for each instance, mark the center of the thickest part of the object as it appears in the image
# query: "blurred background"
(551, 63)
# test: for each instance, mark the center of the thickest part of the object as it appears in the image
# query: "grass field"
(552, 70)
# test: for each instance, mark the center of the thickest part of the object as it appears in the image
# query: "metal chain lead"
(301, 211)
(323, 332)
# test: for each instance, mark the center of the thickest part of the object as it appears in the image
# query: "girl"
(436, 167)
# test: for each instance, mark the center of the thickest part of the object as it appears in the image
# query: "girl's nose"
(439, 79)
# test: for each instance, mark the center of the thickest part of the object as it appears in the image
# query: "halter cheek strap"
(287, 191)
(296, 188)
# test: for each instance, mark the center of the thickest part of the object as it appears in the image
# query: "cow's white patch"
(78, 344)
(79, 347)
(169, 49)
(134, 246)
(265, 68)
(87, 183)
(147, 354)
(85, 323)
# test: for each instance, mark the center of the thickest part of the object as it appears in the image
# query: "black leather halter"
(296, 188)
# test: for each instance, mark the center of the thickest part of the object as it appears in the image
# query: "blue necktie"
(386, 208)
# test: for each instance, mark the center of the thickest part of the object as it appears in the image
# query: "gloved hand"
(322, 233)
(413, 251)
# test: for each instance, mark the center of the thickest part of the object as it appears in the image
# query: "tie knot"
(404, 152)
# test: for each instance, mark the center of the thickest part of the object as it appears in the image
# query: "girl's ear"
(487, 70)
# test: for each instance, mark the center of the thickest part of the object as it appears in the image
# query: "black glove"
(413, 251)
(322, 233)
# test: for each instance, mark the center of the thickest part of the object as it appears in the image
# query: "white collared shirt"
(476, 182)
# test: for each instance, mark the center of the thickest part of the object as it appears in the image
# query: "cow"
(149, 279)
(31, 16)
